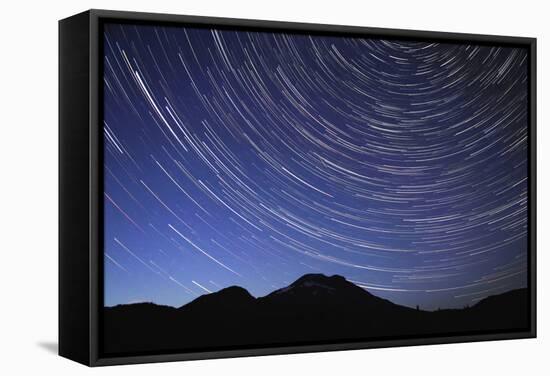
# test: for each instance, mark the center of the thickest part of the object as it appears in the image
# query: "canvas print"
(268, 188)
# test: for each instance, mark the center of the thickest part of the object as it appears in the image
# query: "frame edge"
(73, 257)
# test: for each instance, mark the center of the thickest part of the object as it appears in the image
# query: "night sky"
(252, 158)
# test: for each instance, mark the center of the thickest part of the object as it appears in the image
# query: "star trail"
(251, 158)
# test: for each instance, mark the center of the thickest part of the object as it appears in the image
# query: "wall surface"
(28, 193)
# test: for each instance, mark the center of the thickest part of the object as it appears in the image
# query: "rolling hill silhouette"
(313, 309)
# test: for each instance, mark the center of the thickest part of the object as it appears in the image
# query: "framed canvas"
(238, 187)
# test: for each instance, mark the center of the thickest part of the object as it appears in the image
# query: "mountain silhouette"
(232, 298)
(313, 288)
(313, 309)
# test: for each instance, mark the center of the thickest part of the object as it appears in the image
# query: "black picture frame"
(81, 181)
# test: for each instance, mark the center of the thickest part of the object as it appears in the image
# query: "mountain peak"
(311, 288)
(234, 291)
(333, 282)
(230, 296)
(319, 278)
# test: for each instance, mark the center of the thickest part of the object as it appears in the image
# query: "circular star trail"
(251, 158)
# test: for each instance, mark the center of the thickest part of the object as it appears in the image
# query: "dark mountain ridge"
(313, 308)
